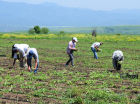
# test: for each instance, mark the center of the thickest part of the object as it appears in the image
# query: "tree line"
(38, 30)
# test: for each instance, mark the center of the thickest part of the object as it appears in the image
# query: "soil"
(22, 98)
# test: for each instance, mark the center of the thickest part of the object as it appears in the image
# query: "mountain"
(51, 14)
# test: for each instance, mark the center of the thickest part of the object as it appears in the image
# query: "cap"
(31, 54)
(74, 38)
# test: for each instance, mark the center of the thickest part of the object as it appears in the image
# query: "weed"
(78, 100)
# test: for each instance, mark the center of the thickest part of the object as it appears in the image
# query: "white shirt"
(97, 44)
(35, 55)
(117, 55)
(22, 48)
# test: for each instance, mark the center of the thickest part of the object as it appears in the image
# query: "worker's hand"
(119, 62)
(99, 50)
(20, 59)
(76, 49)
(33, 68)
(29, 69)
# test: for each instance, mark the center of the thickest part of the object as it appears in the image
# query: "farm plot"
(91, 81)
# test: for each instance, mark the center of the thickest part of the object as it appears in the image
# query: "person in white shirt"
(32, 53)
(116, 57)
(22, 49)
(94, 47)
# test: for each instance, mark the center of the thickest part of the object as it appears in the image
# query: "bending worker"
(22, 49)
(70, 49)
(32, 53)
(94, 47)
(117, 56)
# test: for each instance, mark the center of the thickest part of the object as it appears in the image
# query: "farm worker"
(32, 53)
(94, 47)
(70, 49)
(22, 49)
(116, 57)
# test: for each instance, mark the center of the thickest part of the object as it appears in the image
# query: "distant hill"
(22, 15)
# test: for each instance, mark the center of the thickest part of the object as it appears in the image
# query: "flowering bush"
(86, 37)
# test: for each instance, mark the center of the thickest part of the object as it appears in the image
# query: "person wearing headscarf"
(116, 57)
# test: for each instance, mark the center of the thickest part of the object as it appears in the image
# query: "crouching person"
(117, 56)
(32, 53)
(94, 47)
(22, 49)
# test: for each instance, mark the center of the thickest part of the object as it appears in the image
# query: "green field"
(124, 29)
(90, 82)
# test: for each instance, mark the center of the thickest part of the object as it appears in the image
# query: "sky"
(105, 5)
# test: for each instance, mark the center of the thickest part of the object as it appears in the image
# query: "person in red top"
(70, 49)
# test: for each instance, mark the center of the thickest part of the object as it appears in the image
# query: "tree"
(94, 33)
(62, 32)
(45, 30)
(31, 31)
(118, 34)
(37, 29)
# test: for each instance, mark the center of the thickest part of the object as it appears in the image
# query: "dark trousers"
(116, 65)
(71, 59)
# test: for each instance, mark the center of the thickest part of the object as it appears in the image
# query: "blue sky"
(91, 4)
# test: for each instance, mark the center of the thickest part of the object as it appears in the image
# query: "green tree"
(31, 31)
(62, 32)
(37, 29)
(45, 30)
(118, 34)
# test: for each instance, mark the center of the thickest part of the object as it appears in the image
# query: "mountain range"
(21, 14)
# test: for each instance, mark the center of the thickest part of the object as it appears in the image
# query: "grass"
(91, 81)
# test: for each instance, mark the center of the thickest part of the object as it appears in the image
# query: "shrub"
(118, 34)
(78, 100)
(45, 30)
(37, 29)
(31, 31)
(62, 32)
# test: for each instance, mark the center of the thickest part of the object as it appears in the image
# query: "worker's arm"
(21, 59)
(35, 63)
(74, 49)
(14, 61)
(96, 47)
(29, 67)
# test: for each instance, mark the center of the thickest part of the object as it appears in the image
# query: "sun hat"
(101, 43)
(74, 38)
